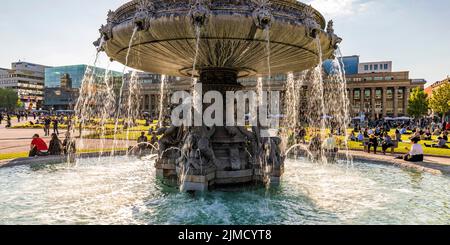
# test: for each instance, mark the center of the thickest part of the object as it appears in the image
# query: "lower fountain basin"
(125, 191)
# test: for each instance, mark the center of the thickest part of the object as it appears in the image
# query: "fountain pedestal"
(218, 155)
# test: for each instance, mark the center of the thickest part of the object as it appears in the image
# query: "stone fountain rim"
(131, 7)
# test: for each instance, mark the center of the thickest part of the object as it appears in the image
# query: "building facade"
(429, 90)
(374, 90)
(62, 84)
(27, 79)
(381, 94)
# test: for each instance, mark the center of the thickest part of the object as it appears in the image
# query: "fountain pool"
(125, 191)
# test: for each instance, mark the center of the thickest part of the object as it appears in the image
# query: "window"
(389, 94)
(371, 67)
(378, 93)
(367, 93)
(400, 93)
(366, 67)
(385, 66)
(376, 67)
(357, 95)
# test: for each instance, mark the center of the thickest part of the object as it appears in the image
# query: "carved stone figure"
(199, 12)
(262, 15)
(144, 13)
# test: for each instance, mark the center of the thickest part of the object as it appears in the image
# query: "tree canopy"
(440, 101)
(8, 99)
(418, 103)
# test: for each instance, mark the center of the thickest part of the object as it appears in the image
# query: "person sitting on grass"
(441, 143)
(386, 143)
(360, 137)
(352, 136)
(373, 142)
(38, 147)
(416, 152)
(55, 147)
(427, 135)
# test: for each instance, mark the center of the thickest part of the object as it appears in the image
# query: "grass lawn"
(406, 144)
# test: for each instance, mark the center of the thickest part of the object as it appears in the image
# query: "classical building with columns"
(381, 94)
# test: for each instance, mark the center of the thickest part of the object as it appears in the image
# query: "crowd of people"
(379, 136)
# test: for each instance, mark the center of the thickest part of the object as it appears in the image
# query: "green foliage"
(8, 99)
(418, 103)
(440, 101)
(20, 104)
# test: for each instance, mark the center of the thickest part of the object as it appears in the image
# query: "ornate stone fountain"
(232, 44)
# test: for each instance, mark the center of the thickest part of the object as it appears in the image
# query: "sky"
(414, 34)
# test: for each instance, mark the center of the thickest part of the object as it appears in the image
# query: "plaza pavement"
(18, 140)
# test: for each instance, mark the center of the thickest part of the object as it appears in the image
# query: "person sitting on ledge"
(55, 147)
(373, 142)
(416, 152)
(441, 143)
(69, 144)
(387, 142)
(38, 147)
(330, 145)
(142, 138)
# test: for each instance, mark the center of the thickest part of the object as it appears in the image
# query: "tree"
(440, 101)
(418, 103)
(8, 99)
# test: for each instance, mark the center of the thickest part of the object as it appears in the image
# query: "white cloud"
(334, 8)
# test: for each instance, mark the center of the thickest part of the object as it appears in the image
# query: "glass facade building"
(76, 73)
(350, 65)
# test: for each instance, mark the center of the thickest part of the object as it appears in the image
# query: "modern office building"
(28, 80)
(62, 84)
(75, 72)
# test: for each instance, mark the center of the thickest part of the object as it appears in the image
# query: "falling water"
(83, 109)
(292, 105)
(161, 100)
(108, 97)
(198, 32)
(339, 105)
(269, 69)
(316, 115)
(133, 103)
(118, 110)
(185, 169)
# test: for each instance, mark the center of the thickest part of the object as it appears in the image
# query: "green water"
(125, 191)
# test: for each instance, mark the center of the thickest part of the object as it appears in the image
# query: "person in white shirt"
(416, 152)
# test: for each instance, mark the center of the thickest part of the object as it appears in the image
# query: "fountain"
(216, 43)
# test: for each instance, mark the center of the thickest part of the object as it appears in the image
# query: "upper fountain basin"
(233, 35)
